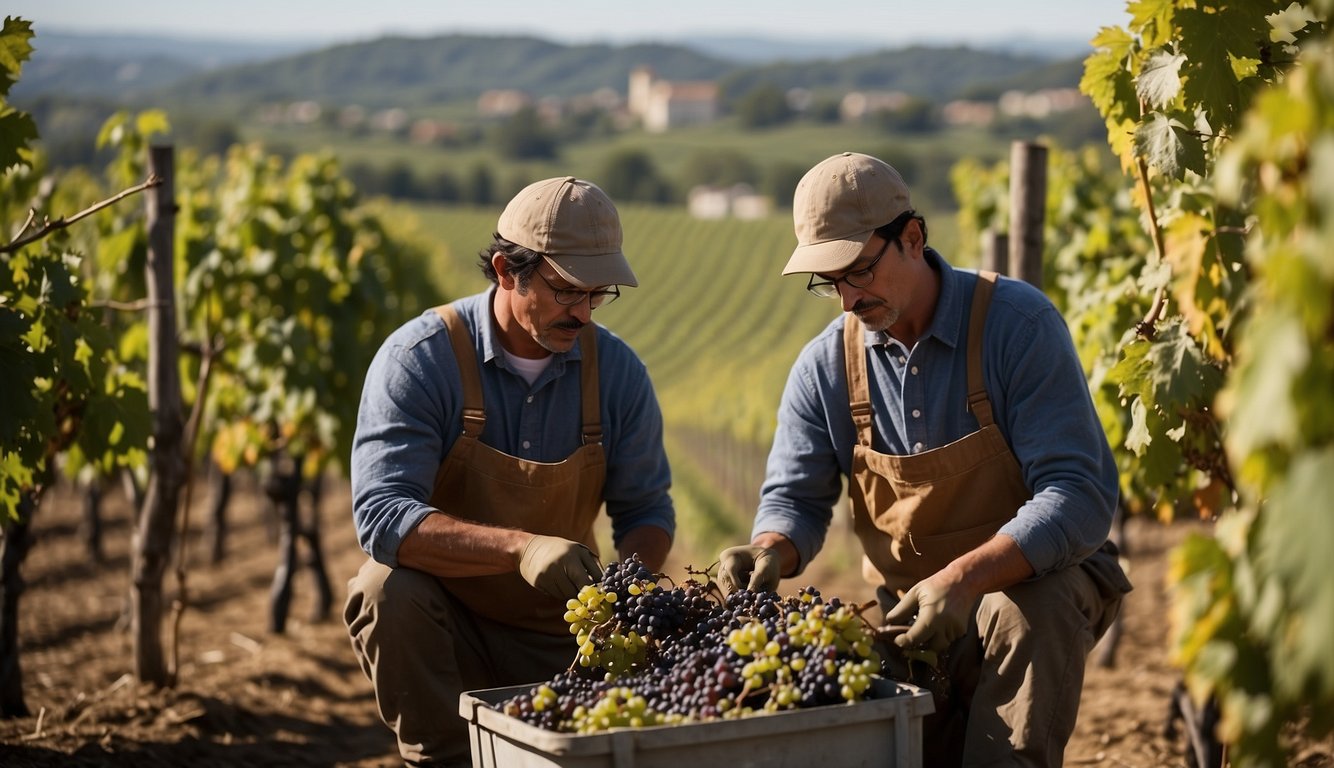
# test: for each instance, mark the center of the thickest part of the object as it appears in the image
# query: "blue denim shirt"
(411, 414)
(1039, 396)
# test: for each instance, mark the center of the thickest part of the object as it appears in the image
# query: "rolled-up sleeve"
(1053, 429)
(398, 444)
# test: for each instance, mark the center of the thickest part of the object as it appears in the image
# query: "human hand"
(941, 610)
(558, 567)
(756, 568)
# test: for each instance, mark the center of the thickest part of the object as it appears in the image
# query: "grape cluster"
(650, 655)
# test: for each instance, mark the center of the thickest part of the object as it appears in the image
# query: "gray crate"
(885, 732)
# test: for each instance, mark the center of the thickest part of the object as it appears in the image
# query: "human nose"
(582, 309)
(848, 295)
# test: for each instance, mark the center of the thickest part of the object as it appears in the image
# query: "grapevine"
(649, 655)
(1197, 287)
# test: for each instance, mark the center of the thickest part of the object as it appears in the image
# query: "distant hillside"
(116, 66)
(205, 53)
(934, 73)
(126, 77)
(398, 71)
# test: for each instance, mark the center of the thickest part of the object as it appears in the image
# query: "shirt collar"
(946, 321)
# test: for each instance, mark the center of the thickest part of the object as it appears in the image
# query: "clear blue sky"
(894, 22)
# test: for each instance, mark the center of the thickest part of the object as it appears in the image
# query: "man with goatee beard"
(981, 483)
(491, 432)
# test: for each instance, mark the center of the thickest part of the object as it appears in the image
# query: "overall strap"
(859, 394)
(588, 380)
(978, 402)
(474, 414)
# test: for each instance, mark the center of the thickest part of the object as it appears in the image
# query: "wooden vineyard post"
(167, 466)
(1028, 201)
(995, 252)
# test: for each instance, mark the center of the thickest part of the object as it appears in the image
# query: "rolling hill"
(396, 71)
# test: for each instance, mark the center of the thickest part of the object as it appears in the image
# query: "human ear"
(912, 236)
(501, 265)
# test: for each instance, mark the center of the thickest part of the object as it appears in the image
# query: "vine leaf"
(1106, 80)
(1109, 84)
(1214, 41)
(1169, 372)
(1139, 436)
(15, 48)
(1159, 83)
(1153, 19)
(1168, 145)
(1289, 21)
(1296, 538)
(1269, 378)
(17, 129)
(16, 375)
(1179, 372)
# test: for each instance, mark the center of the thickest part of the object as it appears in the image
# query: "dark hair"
(894, 229)
(519, 261)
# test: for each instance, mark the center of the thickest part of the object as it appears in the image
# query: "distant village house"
(739, 201)
(663, 104)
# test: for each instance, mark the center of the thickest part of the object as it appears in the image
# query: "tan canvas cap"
(574, 224)
(836, 207)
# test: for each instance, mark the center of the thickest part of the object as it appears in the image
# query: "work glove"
(756, 568)
(559, 567)
(941, 615)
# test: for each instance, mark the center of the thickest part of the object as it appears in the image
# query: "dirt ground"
(248, 697)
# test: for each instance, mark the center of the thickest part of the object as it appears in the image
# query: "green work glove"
(558, 567)
(941, 615)
(756, 568)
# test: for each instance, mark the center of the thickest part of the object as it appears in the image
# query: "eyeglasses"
(827, 289)
(571, 296)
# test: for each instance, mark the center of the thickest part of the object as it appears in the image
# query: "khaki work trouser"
(421, 650)
(1009, 689)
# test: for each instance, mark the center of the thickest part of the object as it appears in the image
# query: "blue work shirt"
(919, 398)
(412, 412)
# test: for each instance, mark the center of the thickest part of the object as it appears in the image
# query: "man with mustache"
(491, 431)
(981, 483)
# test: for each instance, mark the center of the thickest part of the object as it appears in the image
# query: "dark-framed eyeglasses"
(827, 289)
(570, 296)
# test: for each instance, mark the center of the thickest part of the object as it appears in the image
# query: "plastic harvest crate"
(885, 731)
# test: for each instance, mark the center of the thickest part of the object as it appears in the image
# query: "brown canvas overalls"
(1018, 673)
(422, 639)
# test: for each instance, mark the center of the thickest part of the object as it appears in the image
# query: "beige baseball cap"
(838, 204)
(575, 225)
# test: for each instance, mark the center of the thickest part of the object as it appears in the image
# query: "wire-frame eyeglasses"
(571, 296)
(827, 289)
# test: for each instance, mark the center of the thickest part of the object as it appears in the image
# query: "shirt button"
(917, 448)
(916, 414)
(902, 359)
(527, 444)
